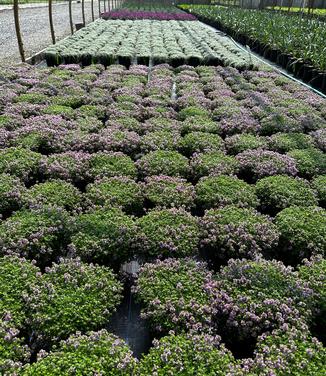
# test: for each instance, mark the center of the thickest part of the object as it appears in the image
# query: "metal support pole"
(18, 34)
(99, 8)
(51, 22)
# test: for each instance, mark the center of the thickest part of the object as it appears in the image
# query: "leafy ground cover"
(175, 42)
(213, 178)
(310, 11)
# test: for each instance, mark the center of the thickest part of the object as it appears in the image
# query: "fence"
(102, 4)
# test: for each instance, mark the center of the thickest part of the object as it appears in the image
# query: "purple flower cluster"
(125, 14)
(114, 164)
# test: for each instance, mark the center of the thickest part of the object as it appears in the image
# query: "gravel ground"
(34, 25)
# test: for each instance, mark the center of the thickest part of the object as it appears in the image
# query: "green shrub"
(96, 353)
(93, 111)
(280, 191)
(319, 184)
(11, 191)
(167, 191)
(39, 234)
(20, 162)
(191, 111)
(59, 110)
(104, 236)
(302, 232)
(277, 122)
(111, 164)
(284, 142)
(200, 142)
(216, 191)
(237, 232)
(16, 275)
(309, 162)
(117, 191)
(240, 142)
(199, 355)
(34, 98)
(69, 100)
(173, 295)
(213, 163)
(168, 232)
(54, 192)
(72, 296)
(163, 162)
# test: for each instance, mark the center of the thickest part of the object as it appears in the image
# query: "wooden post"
(70, 17)
(83, 12)
(99, 8)
(51, 22)
(92, 5)
(18, 34)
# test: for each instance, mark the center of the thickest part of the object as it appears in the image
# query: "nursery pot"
(79, 25)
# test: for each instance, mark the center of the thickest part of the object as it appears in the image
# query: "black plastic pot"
(79, 26)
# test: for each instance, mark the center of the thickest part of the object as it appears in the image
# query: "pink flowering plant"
(287, 351)
(284, 142)
(117, 191)
(196, 142)
(13, 352)
(54, 192)
(111, 164)
(253, 297)
(160, 140)
(16, 275)
(163, 162)
(309, 162)
(256, 164)
(167, 191)
(104, 235)
(173, 294)
(11, 191)
(223, 190)
(213, 163)
(72, 296)
(233, 232)
(168, 233)
(240, 142)
(201, 355)
(319, 185)
(23, 163)
(41, 233)
(302, 232)
(92, 353)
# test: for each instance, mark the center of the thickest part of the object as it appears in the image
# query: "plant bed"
(129, 160)
(244, 25)
(144, 39)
